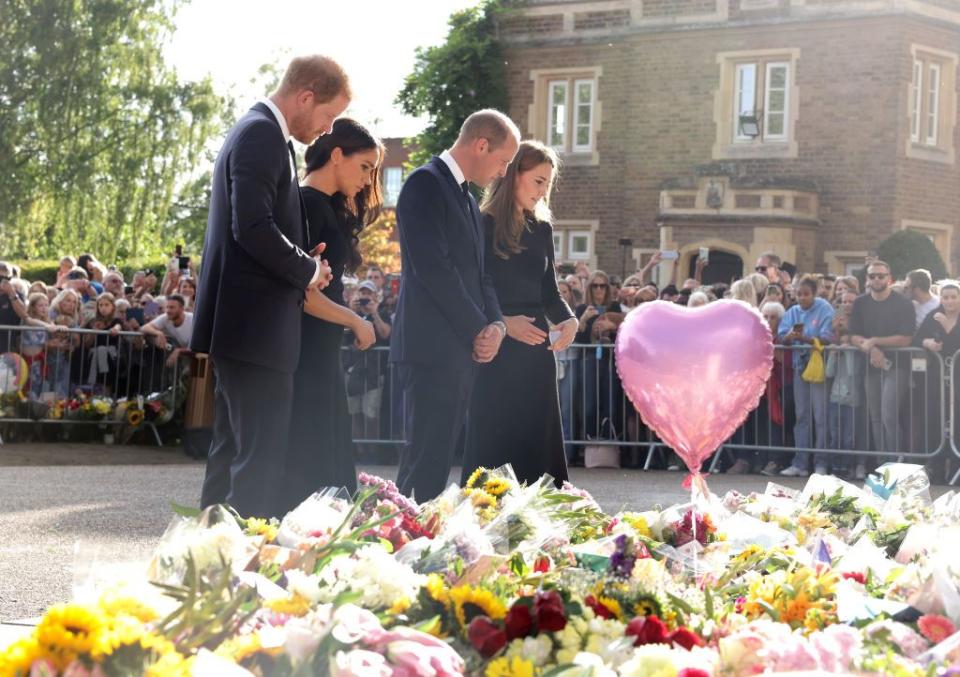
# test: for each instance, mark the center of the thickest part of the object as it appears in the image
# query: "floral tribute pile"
(500, 579)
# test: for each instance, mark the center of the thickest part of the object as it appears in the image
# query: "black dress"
(514, 414)
(321, 443)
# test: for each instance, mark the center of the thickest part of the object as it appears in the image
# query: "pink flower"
(76, 669)
(351, 624)
(935, 628)
(415, 659)
(359, 663)
(838, 646)
(43, 668)
(909, 642)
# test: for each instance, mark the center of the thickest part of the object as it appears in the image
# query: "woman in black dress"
(341, 195)
(514, 414)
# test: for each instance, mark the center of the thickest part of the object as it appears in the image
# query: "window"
(392, 181)
(932, 104)
(573, 241)
(565, 111)
(769, 122)
(570, 108)
(755, 107)
(578, 245)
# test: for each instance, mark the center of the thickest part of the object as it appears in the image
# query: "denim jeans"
(570, 399)
(810, 401)
(886, 390)
(842, 422)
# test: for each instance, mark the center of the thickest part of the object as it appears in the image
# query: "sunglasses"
(761, 269)
(877, 276)
(599, 285)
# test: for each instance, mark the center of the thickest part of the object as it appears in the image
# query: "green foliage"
(452, 80)
(45, 270)
(907, 250)
(102, 145)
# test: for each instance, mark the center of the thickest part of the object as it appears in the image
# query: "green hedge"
(46, 270)
(907, 250)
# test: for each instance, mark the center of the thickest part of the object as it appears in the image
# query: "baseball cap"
(368, 285)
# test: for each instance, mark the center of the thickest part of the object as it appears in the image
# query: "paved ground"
(67, 510)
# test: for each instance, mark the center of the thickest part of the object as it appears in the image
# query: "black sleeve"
(491, 302)
(556, 308)
(906, 318)
(856, 319)
(420, 215)
(254, 166)
(928, 329)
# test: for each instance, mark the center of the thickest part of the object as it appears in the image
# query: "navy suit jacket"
(446, 298)
(254, 273)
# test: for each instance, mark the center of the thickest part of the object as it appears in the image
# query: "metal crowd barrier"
(47, 375)
(841, 424)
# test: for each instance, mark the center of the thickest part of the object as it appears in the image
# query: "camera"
(365, 302)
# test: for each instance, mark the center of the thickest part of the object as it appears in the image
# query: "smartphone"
(136, 314)
(669, 254)
(184, 262)
(798, 328)
(128, 289)
(705, 254)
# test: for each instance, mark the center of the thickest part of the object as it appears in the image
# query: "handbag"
(815, 372)
(602, 455)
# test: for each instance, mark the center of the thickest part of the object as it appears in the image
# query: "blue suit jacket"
(254, 272)
(446, 298)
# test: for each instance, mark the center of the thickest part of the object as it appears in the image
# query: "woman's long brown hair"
(500, 203)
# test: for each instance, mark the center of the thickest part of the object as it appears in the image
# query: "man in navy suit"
(448, 317)
(252, 284)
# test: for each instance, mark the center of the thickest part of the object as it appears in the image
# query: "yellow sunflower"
(70, 630)
(470, 602)
(17, 658)
(135, 417)
(481, 499)
(399, 606)
(114, 604)
(478, 476)
(171, 665)
(509, 667)
(647, 605)
(496, 486)
(437, 589)
(294, 605)
(611, 605)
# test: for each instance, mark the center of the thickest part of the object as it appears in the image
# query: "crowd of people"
(871, 396)
(139, 327)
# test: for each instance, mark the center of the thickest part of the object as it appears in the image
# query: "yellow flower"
(134, 417)
(482, 499)
(114, 604)
(294, 605)
(242, 647)
(747, 553)
(469, 602)
(260, 527)
(399, 606)
(437, 589)
(171, 665)
(612, 605)
(496, 486)
(638, 523)
(477, 476)
(509, 667)
(69, 630)
(17, 658)
(647, 605)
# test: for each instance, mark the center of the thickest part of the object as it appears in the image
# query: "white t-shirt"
(924, 309)
(179, 336)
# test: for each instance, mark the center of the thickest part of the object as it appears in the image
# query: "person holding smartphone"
(811, 318)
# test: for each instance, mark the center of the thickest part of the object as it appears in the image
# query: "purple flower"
(622, 559)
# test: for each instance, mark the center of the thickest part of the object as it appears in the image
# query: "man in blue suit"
(252, 284)
(448, 318)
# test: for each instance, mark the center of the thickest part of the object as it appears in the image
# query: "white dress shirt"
(454, 167)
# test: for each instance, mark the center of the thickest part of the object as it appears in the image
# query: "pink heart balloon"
(694, 374)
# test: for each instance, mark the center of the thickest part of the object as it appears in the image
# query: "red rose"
(519, 621)
(647, 630)
(542, 564)
(598, 608)
(485, 636)
(686, 638)
(548, 608)
(693, 672)
(856, 576)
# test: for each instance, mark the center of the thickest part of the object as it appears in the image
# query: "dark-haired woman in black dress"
(341, 194)
(514, 414)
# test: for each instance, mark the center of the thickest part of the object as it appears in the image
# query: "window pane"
(778, 78)
(775, 104)
(775, 124)
(557, 244)
(933, 103)
(583, 115)
(557, 115)
(392, 181)
(579, 244)
(915, 101)
(745, 96)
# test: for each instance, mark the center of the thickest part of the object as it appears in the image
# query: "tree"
(101, 146)
(452, 80)
(379, 244)
(908, 250)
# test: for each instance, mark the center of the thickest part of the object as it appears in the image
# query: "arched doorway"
(724, 267)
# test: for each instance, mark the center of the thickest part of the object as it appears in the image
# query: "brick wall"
(658, 8)
(657, 92)
(596, 20)
(526, 25)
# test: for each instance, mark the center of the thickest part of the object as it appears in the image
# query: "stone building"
(812, 128)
